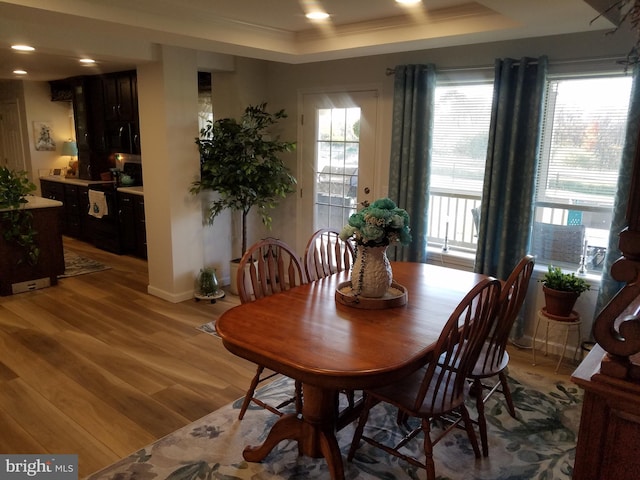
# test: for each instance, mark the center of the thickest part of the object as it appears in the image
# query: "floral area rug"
(75, 264)
(538, 444)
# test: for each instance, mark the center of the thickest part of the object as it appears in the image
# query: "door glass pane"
(337, 155)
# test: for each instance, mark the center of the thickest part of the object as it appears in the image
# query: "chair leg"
(298, 396)
(507, 394)
(469, 428)
(482, 421)
(429, 464)
(369, 402)
(251, 391)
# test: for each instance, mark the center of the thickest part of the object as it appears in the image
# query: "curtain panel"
(411, 145)
(512, 157)
(608, 285)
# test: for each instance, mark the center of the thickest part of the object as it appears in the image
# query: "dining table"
(306, 334)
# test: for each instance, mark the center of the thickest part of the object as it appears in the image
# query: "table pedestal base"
(315, 432)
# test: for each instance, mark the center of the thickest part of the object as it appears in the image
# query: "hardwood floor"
(96, 366)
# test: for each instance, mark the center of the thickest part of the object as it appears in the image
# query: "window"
(460, 137)
(581, 146)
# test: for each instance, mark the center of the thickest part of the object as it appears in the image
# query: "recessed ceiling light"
(87, 61)
(20, 72)
(408, 2)
(23, 48)
(317, 15)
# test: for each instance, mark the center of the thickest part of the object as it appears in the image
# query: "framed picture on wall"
(43, 136)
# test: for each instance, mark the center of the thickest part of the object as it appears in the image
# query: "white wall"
(34, 100)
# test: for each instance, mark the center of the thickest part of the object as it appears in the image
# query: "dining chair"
(326, 254)
(268, 267)
(494, 359)
(440, 387)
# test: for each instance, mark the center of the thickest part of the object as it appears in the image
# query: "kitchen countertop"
(36, 202)
(135, 190)
(74, 181)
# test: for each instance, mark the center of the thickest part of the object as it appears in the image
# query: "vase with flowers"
(373, 229)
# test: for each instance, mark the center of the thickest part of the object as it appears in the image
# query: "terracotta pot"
(559, 303)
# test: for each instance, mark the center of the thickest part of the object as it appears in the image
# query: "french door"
(338, 158)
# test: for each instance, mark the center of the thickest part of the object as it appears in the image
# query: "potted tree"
(561, 291)
(240, 160)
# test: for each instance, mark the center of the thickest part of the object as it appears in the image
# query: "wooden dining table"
(304, 333)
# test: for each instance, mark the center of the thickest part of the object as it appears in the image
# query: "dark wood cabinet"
(133, 232)
(75, 198)
(88, 111)
(21, 277)
(120, 97)
(105, 109)
(76, 206)
(52, 190)
(121, 112)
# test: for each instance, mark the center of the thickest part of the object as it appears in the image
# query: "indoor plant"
(561, 291)
(240, 160)
(374, 228)
(15, 221)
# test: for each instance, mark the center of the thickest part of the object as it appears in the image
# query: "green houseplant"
(16, 222)
(561, 290)
(240, 160)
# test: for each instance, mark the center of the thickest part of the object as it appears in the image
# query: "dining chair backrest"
(513, 293)
(326, 254)
(270, 266)
(459, 345)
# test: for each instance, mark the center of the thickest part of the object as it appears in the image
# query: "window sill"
(451, 258)
(466, 261)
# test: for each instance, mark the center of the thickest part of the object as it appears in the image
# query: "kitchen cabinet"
(21, 277)
(88, 112)
(105, 109)
(120, 97)
(121, 112)
(52, 190)
(75, 199)
(133, 230)
(76, 206)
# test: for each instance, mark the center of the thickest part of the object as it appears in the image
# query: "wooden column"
(610, 375)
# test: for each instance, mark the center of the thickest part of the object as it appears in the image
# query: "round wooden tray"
(396, 296)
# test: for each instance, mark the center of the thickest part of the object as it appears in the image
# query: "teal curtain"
(512, 157)
(609, 286)
(411, 144)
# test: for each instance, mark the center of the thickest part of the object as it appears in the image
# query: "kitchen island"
(19, 276)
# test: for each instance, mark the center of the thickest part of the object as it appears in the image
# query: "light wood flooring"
(96, 366)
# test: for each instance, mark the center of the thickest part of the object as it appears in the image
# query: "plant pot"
(233, 286)
(559, 303)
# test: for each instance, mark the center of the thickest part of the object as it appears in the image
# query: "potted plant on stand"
(561, 291)
(240, 161)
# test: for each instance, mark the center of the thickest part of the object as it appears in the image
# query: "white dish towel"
(97, 204)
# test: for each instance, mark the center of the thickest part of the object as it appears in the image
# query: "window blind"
(460, 136)
(582, 141)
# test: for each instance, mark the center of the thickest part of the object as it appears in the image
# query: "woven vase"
(371, 273)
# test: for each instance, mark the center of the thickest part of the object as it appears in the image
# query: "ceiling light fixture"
(20, 72)
(408, 2)
(87, 61)
(23, 48)
(317, 15)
